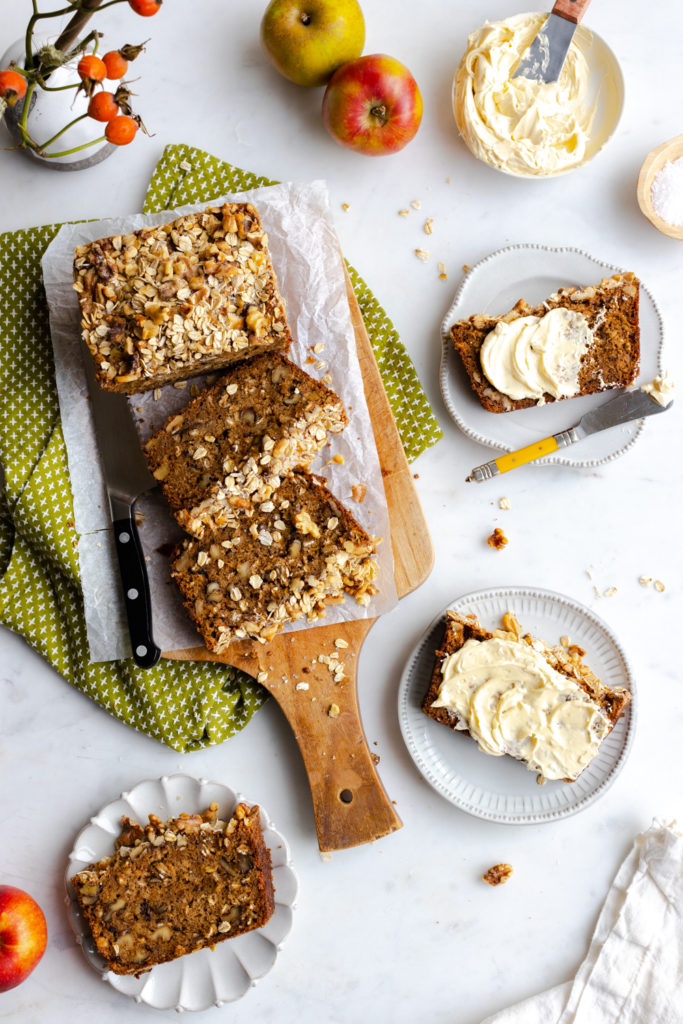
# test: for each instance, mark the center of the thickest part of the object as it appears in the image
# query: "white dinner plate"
(500, 788)
(208, 977)
(533, 272)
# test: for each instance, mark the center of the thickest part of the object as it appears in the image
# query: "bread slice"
(273, 563)
(232, 445)
(177, 886)
(609, 702)
(166, 303)
(611, 361)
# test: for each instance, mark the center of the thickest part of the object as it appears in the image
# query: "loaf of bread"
(609, 357)
(273, 563)
(177, 886)
(166, 303)
(231, 446)
(515, 695)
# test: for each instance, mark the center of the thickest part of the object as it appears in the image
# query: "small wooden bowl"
(652, 165)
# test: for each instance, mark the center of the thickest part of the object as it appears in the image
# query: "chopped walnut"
(497, 540)
(498, 874)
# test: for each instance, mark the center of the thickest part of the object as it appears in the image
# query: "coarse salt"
(667, 192)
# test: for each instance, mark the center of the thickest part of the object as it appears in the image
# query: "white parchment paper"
(308, 264)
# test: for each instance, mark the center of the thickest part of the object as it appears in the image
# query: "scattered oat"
(339, 459)
(497, 540)
(333, 711)
(416, 204)
(498, 874)
(156, 394)
(345, 207)
(404, 213)
(504, 503)
(318, 347)
(325, 856)
(596, 590)
(340, 642)
(610, 592)
(179, 384)
(443, 276)
(185, 166)
(301, 686)
(658, 585)
(375, 759)
(645, 581)
(422, 254)
(261, 677)
(565, 641)
(466, 267)
(429, 226)
(541, 780)
(358, 492)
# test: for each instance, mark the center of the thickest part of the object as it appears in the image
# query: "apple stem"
(379, 112)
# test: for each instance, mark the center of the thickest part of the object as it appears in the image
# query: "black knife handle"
(135, 586)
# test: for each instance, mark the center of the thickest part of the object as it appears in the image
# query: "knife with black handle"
(126, 476)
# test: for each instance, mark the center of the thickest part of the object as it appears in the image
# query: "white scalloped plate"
(499, 788)
(209, 977)
(534, 272)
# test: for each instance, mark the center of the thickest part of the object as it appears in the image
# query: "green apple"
(307, 40)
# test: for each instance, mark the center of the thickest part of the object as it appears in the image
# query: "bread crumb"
(325, 856)
(497, 540)
(658, 585)
(498, 874)
(345, 207)
(339, 459)
(565, 641)
(504, 503)
(466, 267)
(422, 254)
(429, 226)
(333, 711)
(301, 686)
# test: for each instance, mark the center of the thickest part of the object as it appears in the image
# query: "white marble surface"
(403, 929)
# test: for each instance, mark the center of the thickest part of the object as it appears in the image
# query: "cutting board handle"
(572, 10)
(350, 804)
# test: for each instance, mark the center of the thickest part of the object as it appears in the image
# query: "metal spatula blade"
(545, 58)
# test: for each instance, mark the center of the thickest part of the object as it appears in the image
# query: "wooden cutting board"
(350, 804)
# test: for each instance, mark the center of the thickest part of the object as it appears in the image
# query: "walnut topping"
(497, 540)
(196, 291)
(498, 874)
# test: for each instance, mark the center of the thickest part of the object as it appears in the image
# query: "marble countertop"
(402, 928)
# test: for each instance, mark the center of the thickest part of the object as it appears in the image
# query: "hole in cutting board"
(346, 796)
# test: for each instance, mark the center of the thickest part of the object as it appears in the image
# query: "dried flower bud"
(122, 97)
(49, 58)
(130, 52)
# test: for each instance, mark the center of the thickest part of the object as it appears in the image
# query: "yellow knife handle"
(523, 455)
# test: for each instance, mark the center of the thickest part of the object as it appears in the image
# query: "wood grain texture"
(350, 804)
(652, 165)
(572, 10)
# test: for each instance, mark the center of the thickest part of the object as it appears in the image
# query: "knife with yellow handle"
(629, 405)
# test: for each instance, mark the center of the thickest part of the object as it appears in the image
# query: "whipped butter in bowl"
(533, 129)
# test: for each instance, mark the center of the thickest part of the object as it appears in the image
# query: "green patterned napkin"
(187, 175)
(187, 705)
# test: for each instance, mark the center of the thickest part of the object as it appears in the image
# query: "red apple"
(372, 105)
(23, 936)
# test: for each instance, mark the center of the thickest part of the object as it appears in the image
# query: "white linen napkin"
(633, 973)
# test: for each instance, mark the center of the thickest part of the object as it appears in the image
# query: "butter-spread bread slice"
(489, 697)
(611, 311)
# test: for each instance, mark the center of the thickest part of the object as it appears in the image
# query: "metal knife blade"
(545, 57)
(126, 476)
(629, 405)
